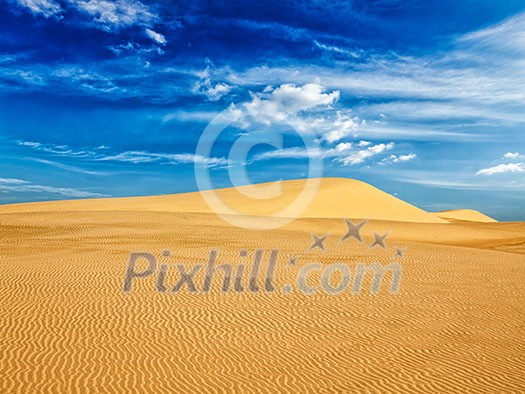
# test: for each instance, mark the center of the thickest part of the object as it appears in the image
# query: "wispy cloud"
(116, 14)
(104, 14)
(208, 85)
(504, 37)
(140, 157)
(12, 181)
(60, 150)
(47, 8)
(68, 167)
(344, 153)
(23, 186)
(106, 154)
(351, 53)
(156, 37)
(109, 15)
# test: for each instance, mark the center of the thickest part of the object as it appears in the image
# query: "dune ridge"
(465, 215)
(336, 197)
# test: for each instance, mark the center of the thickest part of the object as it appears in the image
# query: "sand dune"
(456, 324)
(465, 215)
(336, 198)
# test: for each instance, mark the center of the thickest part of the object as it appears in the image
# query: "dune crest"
(336, 198)
(465, 215)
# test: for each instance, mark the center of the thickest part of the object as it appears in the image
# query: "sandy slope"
(464, 215)
(66, 327)
(337, 197)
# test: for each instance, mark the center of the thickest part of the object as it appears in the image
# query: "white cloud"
(140, 157)
(299, 153)
(308, 108)
(19, 185)
(360, 156)
(286, 101)
(356, 54)
(292, 153)
(478, 82)
(85, 79)
(343, 126)
(207, 86)
(135, 157)
(156, 37)
(502, 168)
(511, 155)
(27, 77)
(343, 147)
(343, 153)
(115, 15)
(107, 15)
(502, 37)
(47, 8)
(12, 181)
(401, 158)
(58, 150)
(217, 91)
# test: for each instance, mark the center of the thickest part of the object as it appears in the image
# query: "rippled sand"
(456, 324)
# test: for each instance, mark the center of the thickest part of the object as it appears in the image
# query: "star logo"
(379, 240)
(353, 230)
(318, 242)
(400, 252)
(292, 260)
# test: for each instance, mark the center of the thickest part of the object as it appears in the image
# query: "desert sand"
(456, 325)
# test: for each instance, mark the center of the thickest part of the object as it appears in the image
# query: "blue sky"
(423, 99)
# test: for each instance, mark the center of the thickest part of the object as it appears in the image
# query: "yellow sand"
(66, 327)
(465, 215)
(336, 198)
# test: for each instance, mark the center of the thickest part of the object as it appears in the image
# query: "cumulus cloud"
(308, 108)
(343, 126)
(400, 158)
(47, 8)
(360, 156)
(277, 105)
(511, 155)
(343, 147)
(156, 37)
(502, 168)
